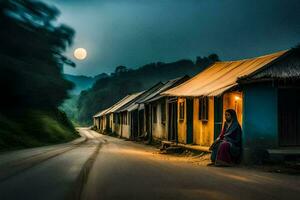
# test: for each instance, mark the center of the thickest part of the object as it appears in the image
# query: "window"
(203, 108)
(163, 113)
(181, 111)
(154, 114)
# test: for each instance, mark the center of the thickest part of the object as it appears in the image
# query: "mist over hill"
(82, 82)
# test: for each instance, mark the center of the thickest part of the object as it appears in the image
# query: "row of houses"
(264, 91)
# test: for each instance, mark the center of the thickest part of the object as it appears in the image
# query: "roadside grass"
(35, 128)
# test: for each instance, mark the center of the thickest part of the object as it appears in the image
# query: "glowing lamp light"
(237, 98)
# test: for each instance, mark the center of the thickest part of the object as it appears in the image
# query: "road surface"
(101, 167)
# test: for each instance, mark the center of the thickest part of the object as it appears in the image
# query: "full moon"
(80, 53)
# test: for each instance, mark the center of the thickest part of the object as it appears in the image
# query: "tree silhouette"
(120, 69)
(31, 54)
(32, 44)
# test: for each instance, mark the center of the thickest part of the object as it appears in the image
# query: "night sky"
(137, 32)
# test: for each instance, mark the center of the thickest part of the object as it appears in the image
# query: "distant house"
(103, 120)
(157, 105)
(100, 120)
(106, 121)
(264, 91)
(136, 115)
(117, 120)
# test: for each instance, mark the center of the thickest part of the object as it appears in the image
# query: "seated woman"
(226, 149)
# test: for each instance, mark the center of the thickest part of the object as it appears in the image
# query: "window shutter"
(203, 108)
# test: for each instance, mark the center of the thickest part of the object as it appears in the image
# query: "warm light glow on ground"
(80, 53)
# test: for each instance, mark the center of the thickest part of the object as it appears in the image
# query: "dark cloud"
(132, 32)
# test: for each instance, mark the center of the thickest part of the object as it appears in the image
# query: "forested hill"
(123, 81)
(82, 82)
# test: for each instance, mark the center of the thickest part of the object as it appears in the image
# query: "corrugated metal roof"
(169, 84)
(108, 109)
(131, 106)
(119, 104)
(123, 102)
(287, 67)
(221, 76)
(101, 113)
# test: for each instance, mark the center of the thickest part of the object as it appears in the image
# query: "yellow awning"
(221, 76)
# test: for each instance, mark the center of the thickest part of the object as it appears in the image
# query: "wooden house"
(271, 114)
(157, 110)
(135, 114)
(117, 119)
(100, 121)
(106, 120)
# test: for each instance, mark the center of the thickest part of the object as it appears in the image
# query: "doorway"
(172, 121)
(289, 117)
(134, 124)
(218, 116)
(189, 120)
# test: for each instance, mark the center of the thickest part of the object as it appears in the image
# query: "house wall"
(119, 126)
(95, 122)
(182, 124)
(203, 131)
(159, 129)
(124, 129)
(110, 122)
(115, 125)
(116, 128)
(103, 123)
(234, 100)
(260, 121)
(100, 123)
